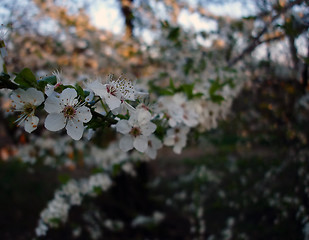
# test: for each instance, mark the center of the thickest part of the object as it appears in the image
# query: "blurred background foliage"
(246, 179)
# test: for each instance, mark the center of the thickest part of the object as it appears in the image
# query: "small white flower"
(172, 111)
(26, 102)
(50, 89)
(177, 137)
(66, 111)
(189, 115)
(137, 130)
(115, 93)
(128, 168)
(41, 229)
(178, 110)
(106, 92)
(100, 180)
(153, 145)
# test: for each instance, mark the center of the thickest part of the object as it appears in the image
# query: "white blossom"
(26, 102)
(178, 110)
(136, 131)
(153, 145)
(116, 92)
(70, 194)
(66, 111)
(41, 229)
(102, 181)
(177, 137)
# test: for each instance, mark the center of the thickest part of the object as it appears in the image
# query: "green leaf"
(95, 123)
(215, 86)
(217, 98)
(249, 18)
(198, 95)
(172, 86)
(188, 65)
(56, 221)
(64, 178)
(174, 34)
(160, 91)
(163, 75)
(160, 131)
(50, 80)
(80, 91)
(86, 93)
(202, 65)
(228, 69)
(26, 79)
(96, 170)
(47, 80)
(188, 89)
(97, 190)
(116, 169)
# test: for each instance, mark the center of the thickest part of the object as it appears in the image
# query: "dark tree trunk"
(293, 51)
(126, 9)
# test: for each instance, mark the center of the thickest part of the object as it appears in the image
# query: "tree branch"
(257, 40)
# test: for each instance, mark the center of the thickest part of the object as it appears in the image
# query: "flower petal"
(98, 88)
(31, 123)
(18, 97)
(143, 116)
(49, 89)
(169, 140)
(112, 101)
(155, 142)
(148, 128)
(151, 152)
(55, 121)
(75, 129)
(67, 97)
(123, 126)
(128, 107)
(177, 149)
(126, 143)
(34, 96)
(140, 143)
(52, 105)
(83, 114)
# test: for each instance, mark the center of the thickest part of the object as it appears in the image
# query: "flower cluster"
(118, 103)
(70, 194)
(137, 132)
